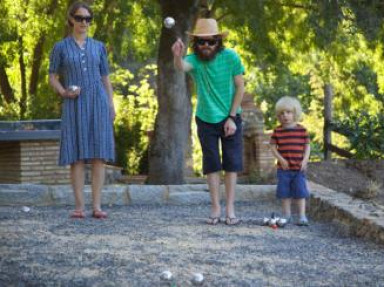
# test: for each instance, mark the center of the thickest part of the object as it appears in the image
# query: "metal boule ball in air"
(169, 22)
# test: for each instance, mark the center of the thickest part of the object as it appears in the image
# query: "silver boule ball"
(197, 278)
(25, 209)
(73, 88)
(281, 222)
(166, 275)
(169, 22)
(265, 221)
(272, 222)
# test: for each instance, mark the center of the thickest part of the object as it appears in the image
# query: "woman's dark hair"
(220, 45)
(76, 6)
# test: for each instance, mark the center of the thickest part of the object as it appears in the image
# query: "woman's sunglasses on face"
(80, 19)
(210, 42)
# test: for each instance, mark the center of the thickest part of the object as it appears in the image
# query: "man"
(218, 76)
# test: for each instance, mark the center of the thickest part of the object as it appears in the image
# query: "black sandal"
(232, 221)
(213, 220)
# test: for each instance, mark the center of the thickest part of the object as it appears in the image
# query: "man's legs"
(214, 190)
(230, 185)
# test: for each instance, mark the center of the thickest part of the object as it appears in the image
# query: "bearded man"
(218, 76)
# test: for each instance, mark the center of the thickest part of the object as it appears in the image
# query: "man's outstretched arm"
(178, 52)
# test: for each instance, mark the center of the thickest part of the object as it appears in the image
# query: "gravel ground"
(135, 244)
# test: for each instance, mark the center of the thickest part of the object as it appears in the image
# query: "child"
(290, 146)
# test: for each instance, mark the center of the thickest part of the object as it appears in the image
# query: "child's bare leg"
(301, 207)
(303, 221)
(286, 204)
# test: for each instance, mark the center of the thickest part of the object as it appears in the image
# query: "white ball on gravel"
(25, 209)
(281, 222)
(197, 278)
(166, 275)
(272, 222)
(169, 22)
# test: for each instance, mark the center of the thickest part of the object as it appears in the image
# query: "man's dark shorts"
(231, 159)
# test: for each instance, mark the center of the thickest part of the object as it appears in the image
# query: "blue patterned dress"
(86, 123)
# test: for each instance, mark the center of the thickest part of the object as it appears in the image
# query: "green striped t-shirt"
(215, 84)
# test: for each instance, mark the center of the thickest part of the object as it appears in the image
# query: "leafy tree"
(289, 47)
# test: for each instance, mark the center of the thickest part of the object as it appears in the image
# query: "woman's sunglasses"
(210, 42)
(80, 19)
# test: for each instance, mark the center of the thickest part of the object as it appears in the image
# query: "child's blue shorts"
(291, 184)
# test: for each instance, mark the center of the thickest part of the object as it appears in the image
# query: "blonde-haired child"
(290, 146)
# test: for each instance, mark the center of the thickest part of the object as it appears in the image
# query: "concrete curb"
(353, 216)
(61, 195)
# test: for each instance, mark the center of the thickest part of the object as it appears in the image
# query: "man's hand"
(229, 127)
(178, 48)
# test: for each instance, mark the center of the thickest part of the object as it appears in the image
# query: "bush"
(365, 133)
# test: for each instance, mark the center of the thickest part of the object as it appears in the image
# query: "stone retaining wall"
(31, 162)
(353, 216)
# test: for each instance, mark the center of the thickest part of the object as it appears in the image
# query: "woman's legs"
(77, 180)
(98, 177)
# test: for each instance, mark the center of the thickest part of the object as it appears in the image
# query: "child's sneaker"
(303, 222)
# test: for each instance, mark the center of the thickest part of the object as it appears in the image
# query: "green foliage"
(365, 133)
(289, 47)
(136, 108)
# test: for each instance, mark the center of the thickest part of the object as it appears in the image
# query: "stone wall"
(259, 162)
(31, 162)
(37, 162)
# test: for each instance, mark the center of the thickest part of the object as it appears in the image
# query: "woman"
(78, 72)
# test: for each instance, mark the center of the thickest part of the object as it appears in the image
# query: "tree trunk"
(328, 95)
(172, 126)
(5, 86)
(36, 63)
(38, 53)
(23, 99)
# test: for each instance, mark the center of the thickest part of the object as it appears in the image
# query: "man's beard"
(206, 56)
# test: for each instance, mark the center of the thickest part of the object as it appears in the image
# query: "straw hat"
(207, 27)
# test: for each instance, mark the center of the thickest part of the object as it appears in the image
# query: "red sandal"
(78, 214)
(99, 214)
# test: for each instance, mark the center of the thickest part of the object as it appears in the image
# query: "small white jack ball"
(272, 222)
(166, 275)
(197, 278)
(25, 209)
(169, 22)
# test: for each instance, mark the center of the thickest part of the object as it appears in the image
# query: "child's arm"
(284, 164)
(307, 152)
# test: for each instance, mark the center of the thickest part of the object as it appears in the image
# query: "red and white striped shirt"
(291, 144)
